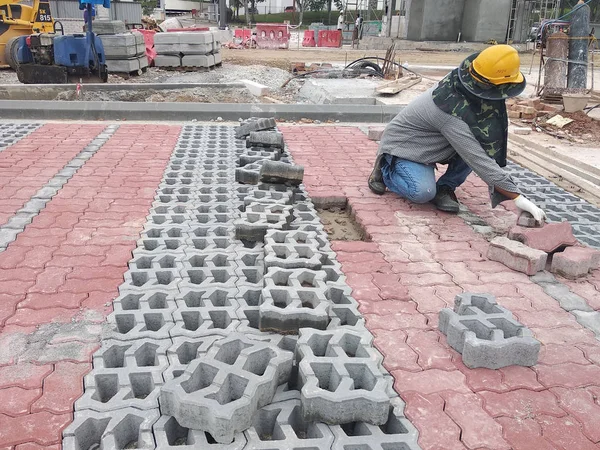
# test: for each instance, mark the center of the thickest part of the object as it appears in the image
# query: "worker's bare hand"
(526, 205)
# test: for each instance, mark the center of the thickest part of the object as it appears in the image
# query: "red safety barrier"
(242, 34)
(309, 39)
(272, 35)
(149, 41)
(330, 38)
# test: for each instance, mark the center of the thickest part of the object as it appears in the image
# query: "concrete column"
(578, 47)
(557, 51)
(223, 13)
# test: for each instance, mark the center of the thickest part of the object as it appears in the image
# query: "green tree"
(148, 6)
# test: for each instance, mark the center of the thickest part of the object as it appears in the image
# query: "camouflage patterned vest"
(487, 119)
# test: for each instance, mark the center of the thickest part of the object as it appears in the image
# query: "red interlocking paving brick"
(43, 428)
(61, 388)
(34, 446)
(583, 405)
(419, 243)
(547, 239)
(521, 403)
(17, 401)
(25, 375)
(525, 433)
(436, 429)
(565, 433)
(575, 262)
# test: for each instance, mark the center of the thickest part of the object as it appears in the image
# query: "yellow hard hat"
(498, 64)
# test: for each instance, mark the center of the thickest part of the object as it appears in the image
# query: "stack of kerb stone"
(187, 49)
(125, 53)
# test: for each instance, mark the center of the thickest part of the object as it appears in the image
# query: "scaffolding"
(525, 14)
(352, 8)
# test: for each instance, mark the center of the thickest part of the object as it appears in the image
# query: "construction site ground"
(403, 261)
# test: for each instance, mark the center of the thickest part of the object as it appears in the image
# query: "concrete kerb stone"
(170, 435)
(516, 255)
(486, 334)
(126, 374)
(282, 422)
(111, 429)
(222, 391)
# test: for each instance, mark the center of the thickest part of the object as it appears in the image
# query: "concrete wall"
(435, 20)
(485, 19)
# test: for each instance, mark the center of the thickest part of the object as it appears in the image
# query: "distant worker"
(462, 123)
(340, 22)
(358, 26)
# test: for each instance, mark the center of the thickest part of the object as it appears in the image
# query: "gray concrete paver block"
(486, 334)
(170, 435)
(280, 173)
(244, 130)
(273, 139)
(111, 430)
(222, 391)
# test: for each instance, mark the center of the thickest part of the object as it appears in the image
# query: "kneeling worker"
(461, 123)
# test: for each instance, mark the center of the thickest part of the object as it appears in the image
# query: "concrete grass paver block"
(195, 322)
(337, 391)
(259, 218)
(139, 324)
(280, 425)
(294, 299)
(273, 139)
(125, 428)
(517, 256)
(244, 130)
(575, 262)
(126, 374)
(281, 173)
(184, 350)
(289, 256)
(221, 392)
(261, 196)
(486, 334)
(342, 343)
(170, 435)
(548, 239)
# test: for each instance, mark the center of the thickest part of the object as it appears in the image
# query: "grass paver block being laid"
(548, 239)
(517, 256)
(281, 173)
(244, 130)
(221, 392)
(486, 334)
(280, 425)
(170, 435)
(294, 299)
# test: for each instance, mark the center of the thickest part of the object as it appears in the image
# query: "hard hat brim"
(488, 91)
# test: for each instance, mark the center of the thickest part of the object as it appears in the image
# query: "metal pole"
(222, 13)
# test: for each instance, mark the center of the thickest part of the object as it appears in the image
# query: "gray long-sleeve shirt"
(423, 133)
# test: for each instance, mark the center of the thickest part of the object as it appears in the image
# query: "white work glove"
(525, 205)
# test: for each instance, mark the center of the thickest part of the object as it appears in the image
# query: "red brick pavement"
(418, 260)
(57, 280)
(29, 163)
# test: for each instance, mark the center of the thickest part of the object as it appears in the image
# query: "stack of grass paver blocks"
(234, 328)
(187, 49)
(125, 52)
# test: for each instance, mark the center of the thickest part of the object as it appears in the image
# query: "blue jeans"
(416, 182)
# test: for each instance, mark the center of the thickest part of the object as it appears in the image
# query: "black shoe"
(376, 178)
(445, 200)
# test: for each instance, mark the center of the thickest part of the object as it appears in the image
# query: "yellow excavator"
(21, 20)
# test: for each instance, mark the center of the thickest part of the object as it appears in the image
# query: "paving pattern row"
(416, 262)
(61, 274)
(195, 293)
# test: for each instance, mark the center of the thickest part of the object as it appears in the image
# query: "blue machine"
(51, 58)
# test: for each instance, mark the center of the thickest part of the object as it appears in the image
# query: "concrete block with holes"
(272, 139)
(282, 422)
(250, 267)
(221, 392)
(126, 374)
(183, 350)
(111, 429)
(294, 299)
(259, 218)
(396, 432)
(278, 172)
(169, 434)
(517, 256)
(194, 322)
(268, 196)
(486, 334)
(289, 256)
(244, 130)
(139, 324)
